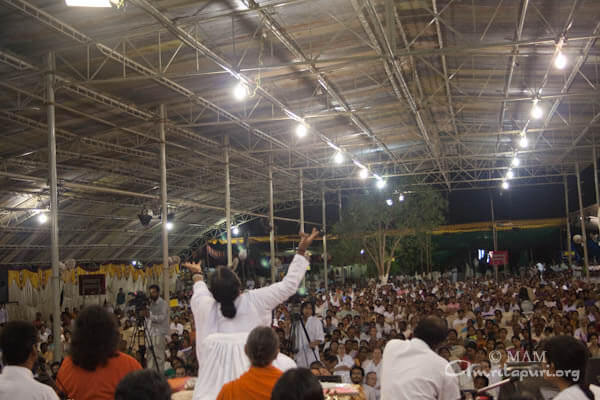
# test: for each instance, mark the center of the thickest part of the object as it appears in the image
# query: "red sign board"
(91, 285)
(499, 257)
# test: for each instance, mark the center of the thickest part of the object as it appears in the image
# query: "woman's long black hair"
(225, 288)
(568, 355)
(95, 338)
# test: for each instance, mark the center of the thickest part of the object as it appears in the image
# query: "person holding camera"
(158, 317)
(309, 335)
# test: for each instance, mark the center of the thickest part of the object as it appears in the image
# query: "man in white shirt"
(344, 363)
(176, 326)
(370, 387)
(412, 369)
(18, 341)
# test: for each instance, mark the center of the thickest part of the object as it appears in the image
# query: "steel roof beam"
(81, 38)
(385, 48)
(297, 52)
(513, 61)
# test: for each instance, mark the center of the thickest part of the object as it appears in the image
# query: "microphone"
(498, 384)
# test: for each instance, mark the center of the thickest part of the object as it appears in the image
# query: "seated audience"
(95, 366)
(18, 341)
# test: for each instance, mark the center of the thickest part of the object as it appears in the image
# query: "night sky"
(466, 206)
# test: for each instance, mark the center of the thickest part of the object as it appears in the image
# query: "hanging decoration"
(40, 277)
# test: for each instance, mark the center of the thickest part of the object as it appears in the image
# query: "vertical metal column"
(53, 178)
(163, 202)
(494, 233)
(228, 203)
(301, 201)
(302, 213)
(596, 176)
(272, 223)
(324, 238)
(586, 264)
(567, 220)
(340, 204)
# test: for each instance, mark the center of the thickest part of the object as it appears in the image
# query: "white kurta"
(305, 355)
(411, 370)
(253, 307)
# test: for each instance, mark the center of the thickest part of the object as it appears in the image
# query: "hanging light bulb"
(338, 158)
(505, 185)
(536, 111)
(42, 218)
(240, 92)
(363, 173)
(301, 130)
(235, 230)
(389, 202)
(401, 197)
(510, 174)
(515, 162)
(523, 142)
(362, 251)
(380, 183)
(169, 226)
(560, 61)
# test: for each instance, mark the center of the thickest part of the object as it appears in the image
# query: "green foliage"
(388, 234)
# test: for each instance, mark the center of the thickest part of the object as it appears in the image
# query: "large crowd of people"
(415, 328)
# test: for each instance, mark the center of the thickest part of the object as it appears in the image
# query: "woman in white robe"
(224, 309)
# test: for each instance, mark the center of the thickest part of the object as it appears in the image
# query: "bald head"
(432, 330)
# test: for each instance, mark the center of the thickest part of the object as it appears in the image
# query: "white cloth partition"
(24, 303)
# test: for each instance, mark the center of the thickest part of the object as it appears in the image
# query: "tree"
(381, 230)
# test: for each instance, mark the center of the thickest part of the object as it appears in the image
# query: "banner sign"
(499, 257)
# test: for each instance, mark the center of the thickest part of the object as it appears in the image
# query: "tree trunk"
(383, 279)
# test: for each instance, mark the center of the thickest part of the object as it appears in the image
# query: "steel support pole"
(324, 238)
(494, 233)
(228, 203)
(163, 202)
(52, 177)
(596, 176)
(569, 249)
(272, 224)
(582, 221)
(302, 213)
(301, 201)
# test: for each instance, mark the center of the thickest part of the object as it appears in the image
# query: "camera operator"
(158, 324)
(309, 335)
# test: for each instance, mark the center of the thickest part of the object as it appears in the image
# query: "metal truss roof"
(420, 92)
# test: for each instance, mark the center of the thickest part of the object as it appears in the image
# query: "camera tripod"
(142, 336)
(294, 335)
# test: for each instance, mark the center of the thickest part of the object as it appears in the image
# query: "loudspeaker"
(3, 285)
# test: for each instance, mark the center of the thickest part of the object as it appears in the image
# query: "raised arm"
(269, 297)
(200, 288)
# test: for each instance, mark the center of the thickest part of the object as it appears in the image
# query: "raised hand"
(306, 240)
(195, 268)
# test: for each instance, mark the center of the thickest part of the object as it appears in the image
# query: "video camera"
(140, 301)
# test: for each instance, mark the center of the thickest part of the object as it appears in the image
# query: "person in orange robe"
(261, 348)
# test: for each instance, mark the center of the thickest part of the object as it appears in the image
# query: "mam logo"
(518, 357)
